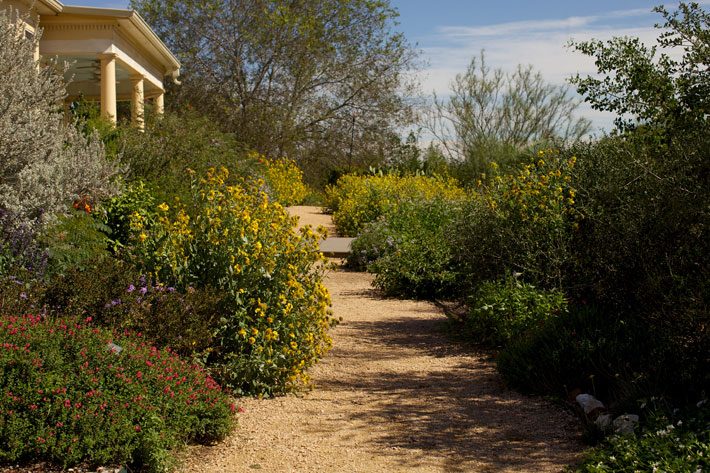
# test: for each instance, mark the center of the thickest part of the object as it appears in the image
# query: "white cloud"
(541, 43)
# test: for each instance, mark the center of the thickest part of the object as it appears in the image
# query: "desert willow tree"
(310, 79)
(44, 163)
(491, 114)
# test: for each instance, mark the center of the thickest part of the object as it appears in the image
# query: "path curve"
(394, 395)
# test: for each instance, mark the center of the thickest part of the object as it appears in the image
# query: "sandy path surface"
(394, 395)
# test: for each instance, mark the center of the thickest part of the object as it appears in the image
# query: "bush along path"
(394, 394)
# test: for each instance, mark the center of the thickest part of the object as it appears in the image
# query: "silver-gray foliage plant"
(45, 163)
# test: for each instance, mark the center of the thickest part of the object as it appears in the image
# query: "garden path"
(394, 395)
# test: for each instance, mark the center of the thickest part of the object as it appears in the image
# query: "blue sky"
(450, 32)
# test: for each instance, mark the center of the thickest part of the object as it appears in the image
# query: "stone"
(589, 403)
(603, 422)
(626, 424)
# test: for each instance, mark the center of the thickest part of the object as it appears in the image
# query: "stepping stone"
(336, 247)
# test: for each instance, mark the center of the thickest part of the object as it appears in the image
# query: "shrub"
(235, 240)
(45, 165)
(76, 240)
(19, 247)
(408, 250)
(358, 200)
(284, 181)
(73, 393)
(678, 443)
(502, 311)
(117, 295)
(641, 249)
(116, 212)
(177, 144)
(520, 222)
(588, 349)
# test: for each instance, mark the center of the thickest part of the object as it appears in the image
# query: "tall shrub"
(45, 164)
(234, 239)
(521, 222)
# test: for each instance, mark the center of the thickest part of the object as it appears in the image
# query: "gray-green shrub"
(45, 164)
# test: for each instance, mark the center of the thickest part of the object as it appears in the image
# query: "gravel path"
(394, 395)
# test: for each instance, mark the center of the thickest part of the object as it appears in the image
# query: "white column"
(108, 87)
(137, 102)
(160, 103)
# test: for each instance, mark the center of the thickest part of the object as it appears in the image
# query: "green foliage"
(677, 443)
(408, 251)
(641, 250)
(67, 396)
(358, 200)
(75, 241)
(583, 349)
(234, 239)
(177, 144)
(116, 213)
(502, 311)
(667, 94)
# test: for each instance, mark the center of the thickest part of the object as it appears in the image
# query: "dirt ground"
(394, 395)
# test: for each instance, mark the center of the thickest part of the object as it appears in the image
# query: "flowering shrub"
(358, 200)
(285, 181)
(19, 246)
(116, 294)
(74, 393)
(521, 222)
(234, 239)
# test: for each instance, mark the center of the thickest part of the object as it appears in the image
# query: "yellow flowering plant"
(284, 180)
(235, 239)
(521, 221)
(358, 200)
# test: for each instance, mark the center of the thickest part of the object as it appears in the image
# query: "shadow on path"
(456, 407)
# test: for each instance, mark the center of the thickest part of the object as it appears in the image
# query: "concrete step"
(336, 247)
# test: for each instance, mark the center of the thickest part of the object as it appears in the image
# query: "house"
(113, 54)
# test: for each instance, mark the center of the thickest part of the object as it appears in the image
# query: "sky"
(448, 33)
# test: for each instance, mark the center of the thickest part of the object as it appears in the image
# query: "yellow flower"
(163, 207)
(142, 237)
(242, 332)
(252, 340)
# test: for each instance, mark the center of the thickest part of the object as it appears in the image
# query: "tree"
(303, 78)
(649, 89)
(491, 114)
(45, 164)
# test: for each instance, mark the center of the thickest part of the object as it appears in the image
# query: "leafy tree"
(45, 164)
(666, 91)
(300, 78)
(491, 114)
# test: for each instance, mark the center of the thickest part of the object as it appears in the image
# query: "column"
(160, 103)
(137, 102)
(108, 87)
